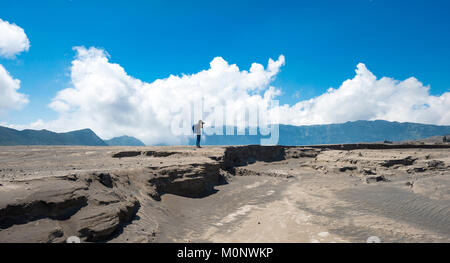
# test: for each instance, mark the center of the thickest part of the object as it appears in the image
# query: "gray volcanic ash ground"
(225, 194)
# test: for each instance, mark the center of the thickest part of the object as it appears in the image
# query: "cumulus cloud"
(105, 98)
(9, 97)
(13, 40)
(367, 98)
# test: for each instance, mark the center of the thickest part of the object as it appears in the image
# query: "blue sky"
(322, 42)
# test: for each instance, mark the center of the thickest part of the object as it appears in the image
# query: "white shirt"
(198, 129)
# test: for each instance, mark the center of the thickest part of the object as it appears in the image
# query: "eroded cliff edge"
(48, 194)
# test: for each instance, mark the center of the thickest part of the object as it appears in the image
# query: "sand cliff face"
(151, 194)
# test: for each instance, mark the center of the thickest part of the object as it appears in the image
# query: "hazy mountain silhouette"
(10, 136)
(124, 141)
(349, 132)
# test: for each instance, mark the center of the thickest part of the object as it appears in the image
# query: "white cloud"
(367, 98)
(13, 40)
(9, 97)
(112, 103)
(37, 125)
(106, 99)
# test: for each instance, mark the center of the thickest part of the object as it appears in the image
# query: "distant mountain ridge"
(87, 137)
(349, 132)
(124, 141)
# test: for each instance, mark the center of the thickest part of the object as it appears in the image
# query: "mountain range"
(349, 132)
(86, 137)
(124, 141)
(10, 136)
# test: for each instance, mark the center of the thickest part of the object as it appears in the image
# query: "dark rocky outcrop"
(186, 180)
(243, 155)
(101, 223)
(144, 153)
(23, 212)
(435, 164)
(127, 154)
(347, 168)
(404, 161)
(380, 178)
(88, 206)
(159, 153)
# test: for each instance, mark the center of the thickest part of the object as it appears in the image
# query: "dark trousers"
(198, 140)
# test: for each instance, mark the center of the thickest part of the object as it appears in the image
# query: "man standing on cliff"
(197, 129)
